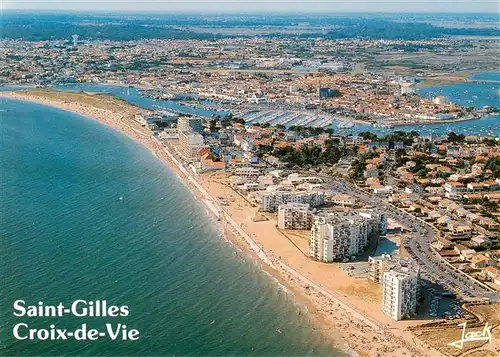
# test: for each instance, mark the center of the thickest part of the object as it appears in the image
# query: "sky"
(229, 6)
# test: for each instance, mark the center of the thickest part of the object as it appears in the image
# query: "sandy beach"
(343, 308)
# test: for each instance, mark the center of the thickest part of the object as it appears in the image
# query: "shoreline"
(333, 314)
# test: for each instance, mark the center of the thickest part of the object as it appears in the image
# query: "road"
(432, 266)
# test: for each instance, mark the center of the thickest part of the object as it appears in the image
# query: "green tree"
(493, 164)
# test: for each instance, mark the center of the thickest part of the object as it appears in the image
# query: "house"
(372, 181)
(413, 189)
(488, 222)
(492, 196)
(448, 253)
(247, 171)
(472, 217)
(434, 190)
(397, 197)
(382, 190)
(492, 185)
(265, 181)
(415, 208)
(459, 231)
(455, 177)
(491, 272)
(465, 253)
(480, 241)
(370, 171)
(479, 261)
(454, 226)
(444, 220)
(433, 215)
(454, 187)
(434, 199)
(442, 244)
(210, 165)
(250, 186)
(475, 186)
(342, 199)
(444, 169)
(447, 204)
(493, 253)
(410, 164)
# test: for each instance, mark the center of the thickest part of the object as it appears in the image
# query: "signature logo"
(482, 335)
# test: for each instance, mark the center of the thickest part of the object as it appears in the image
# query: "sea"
(86, 213)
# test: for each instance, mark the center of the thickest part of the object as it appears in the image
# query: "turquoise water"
(88, 214)
(488, 76)
(131, 95)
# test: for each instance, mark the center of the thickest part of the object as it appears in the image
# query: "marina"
(460, 93)
(313, 119)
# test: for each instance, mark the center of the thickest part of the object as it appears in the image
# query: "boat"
(384, 126)
(345, 125)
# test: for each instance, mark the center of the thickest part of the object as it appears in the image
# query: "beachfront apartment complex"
(343, 235)
(190, 144)
(190, 124)
(271, 200)
(378, 266)
(295, 216)
(384, 263)
(400, 293)
(344, 200)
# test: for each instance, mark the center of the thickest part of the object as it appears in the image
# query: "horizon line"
(218, 12)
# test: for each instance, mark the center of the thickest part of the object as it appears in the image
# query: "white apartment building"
(247, 171)
(378, 220)
(295, 216)
(190, 144)
(344, 200)
(378, 266)
(407, 88)
(384, 263)
(272, 200)
(190, 124)
(400, 293)
(295, 179)
(147, 119)
(342, 235)
(169, 133)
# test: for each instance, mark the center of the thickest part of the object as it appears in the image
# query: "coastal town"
(390, 237)
(262, 81)
(450, 185)
(338, 199)
(306, 201)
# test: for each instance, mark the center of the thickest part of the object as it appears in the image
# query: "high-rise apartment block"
(190, 144)
(400, 293)
(190, 124)
(272, 200)
(295, 216)
(343, 235)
